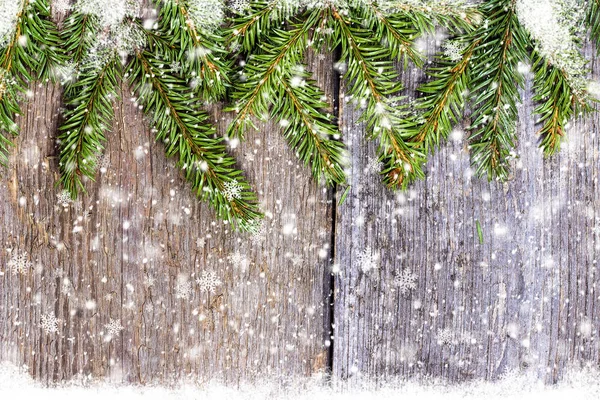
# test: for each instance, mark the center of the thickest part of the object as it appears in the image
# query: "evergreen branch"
(276, 77)
(201, 53)
(308, 129)
(15, 65)
(558, 103)
(263, 16)
(79, 36)
(90, 113)
(496, 81)
(187, 135)
(373, 79)
(426, 15)
(444, 99)
(392, 29)
(593, 22)
(253, 97)
(45, 47)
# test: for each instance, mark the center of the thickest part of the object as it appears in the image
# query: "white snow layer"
(583, 384)
(9, 9)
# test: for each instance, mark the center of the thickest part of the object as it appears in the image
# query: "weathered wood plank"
(93, 261)
(523, 299)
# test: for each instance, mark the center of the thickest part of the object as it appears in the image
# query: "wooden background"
(524, 299)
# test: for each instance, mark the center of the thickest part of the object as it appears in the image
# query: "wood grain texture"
(92, 261)
(525, 299)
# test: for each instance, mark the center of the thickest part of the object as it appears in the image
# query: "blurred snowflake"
(257, 231)
(64, 198)
(374, 166)
(445, 337)
(113, 327)
(367, 260)
(405, 281)
(237, 259)
(49, 323)
(175, 67)
(183, 289)
(19, 264)
(208, 281)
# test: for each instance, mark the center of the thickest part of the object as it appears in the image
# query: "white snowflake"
(453, 49)
(367, 260)
(19, 264)
(49, 323)
(405, 281)
(208, 281)
(102, 163)
(64, 198)
(114, 327)
(149, 281)
(183, 289)
(232, 190)
(445, 337)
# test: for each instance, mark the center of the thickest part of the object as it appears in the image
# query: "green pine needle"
(202, 53)
(374, 86)
(443, 102)
(89, 115)
(593, 22)
(496, 82)
(187, 135)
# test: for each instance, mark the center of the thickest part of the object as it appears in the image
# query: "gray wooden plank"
(516, 302)
(139, 220)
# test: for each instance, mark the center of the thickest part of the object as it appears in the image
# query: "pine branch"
(374, 84)
(45, 39)
(15, 64)
(277, 78)
(253, 96)
(308, 129)
(201, 53)
(496, 81)
(262, 17)
(443, 102)
(394, 30)
(187, 135)
(558, 103)
(79, 36)
(426, 15)
(89, 115)
(593, 22)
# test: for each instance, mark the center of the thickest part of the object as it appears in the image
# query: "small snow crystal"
(49, 323)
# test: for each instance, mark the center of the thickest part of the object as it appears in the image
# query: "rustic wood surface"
(523, 299)
(92, 260)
